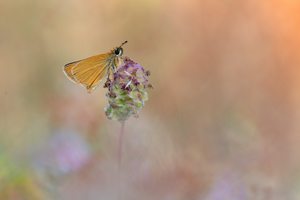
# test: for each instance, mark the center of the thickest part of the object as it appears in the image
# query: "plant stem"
(120, 145)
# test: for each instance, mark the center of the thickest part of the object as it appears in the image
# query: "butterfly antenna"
(123, 43)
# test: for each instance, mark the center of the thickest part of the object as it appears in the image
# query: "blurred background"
(222, 121)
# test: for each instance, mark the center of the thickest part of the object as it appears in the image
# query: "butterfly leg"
(108, 79)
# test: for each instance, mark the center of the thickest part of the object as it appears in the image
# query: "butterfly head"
(119, 50)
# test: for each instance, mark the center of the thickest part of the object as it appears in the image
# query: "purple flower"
(66, 152)
(227, 187)
(127, 91)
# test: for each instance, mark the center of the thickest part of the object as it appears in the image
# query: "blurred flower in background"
(62, 155)
(228, 187)
(65, 152)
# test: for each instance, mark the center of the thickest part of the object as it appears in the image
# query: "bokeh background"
(222, 121)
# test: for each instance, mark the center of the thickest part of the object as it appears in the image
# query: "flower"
(127, 91)
(65, 152)
(228, 186)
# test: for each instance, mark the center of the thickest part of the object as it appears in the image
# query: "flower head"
(127, 91)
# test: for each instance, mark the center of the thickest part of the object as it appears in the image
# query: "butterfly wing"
(90, 71)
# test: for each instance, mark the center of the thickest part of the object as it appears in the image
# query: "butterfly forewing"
(90, 71)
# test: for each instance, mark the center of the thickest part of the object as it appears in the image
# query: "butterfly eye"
(118, 51)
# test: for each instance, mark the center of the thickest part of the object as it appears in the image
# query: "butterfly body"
(90, 71)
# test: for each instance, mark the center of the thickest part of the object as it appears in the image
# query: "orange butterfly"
(90, 71)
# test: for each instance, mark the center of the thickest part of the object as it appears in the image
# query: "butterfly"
(90, 71)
